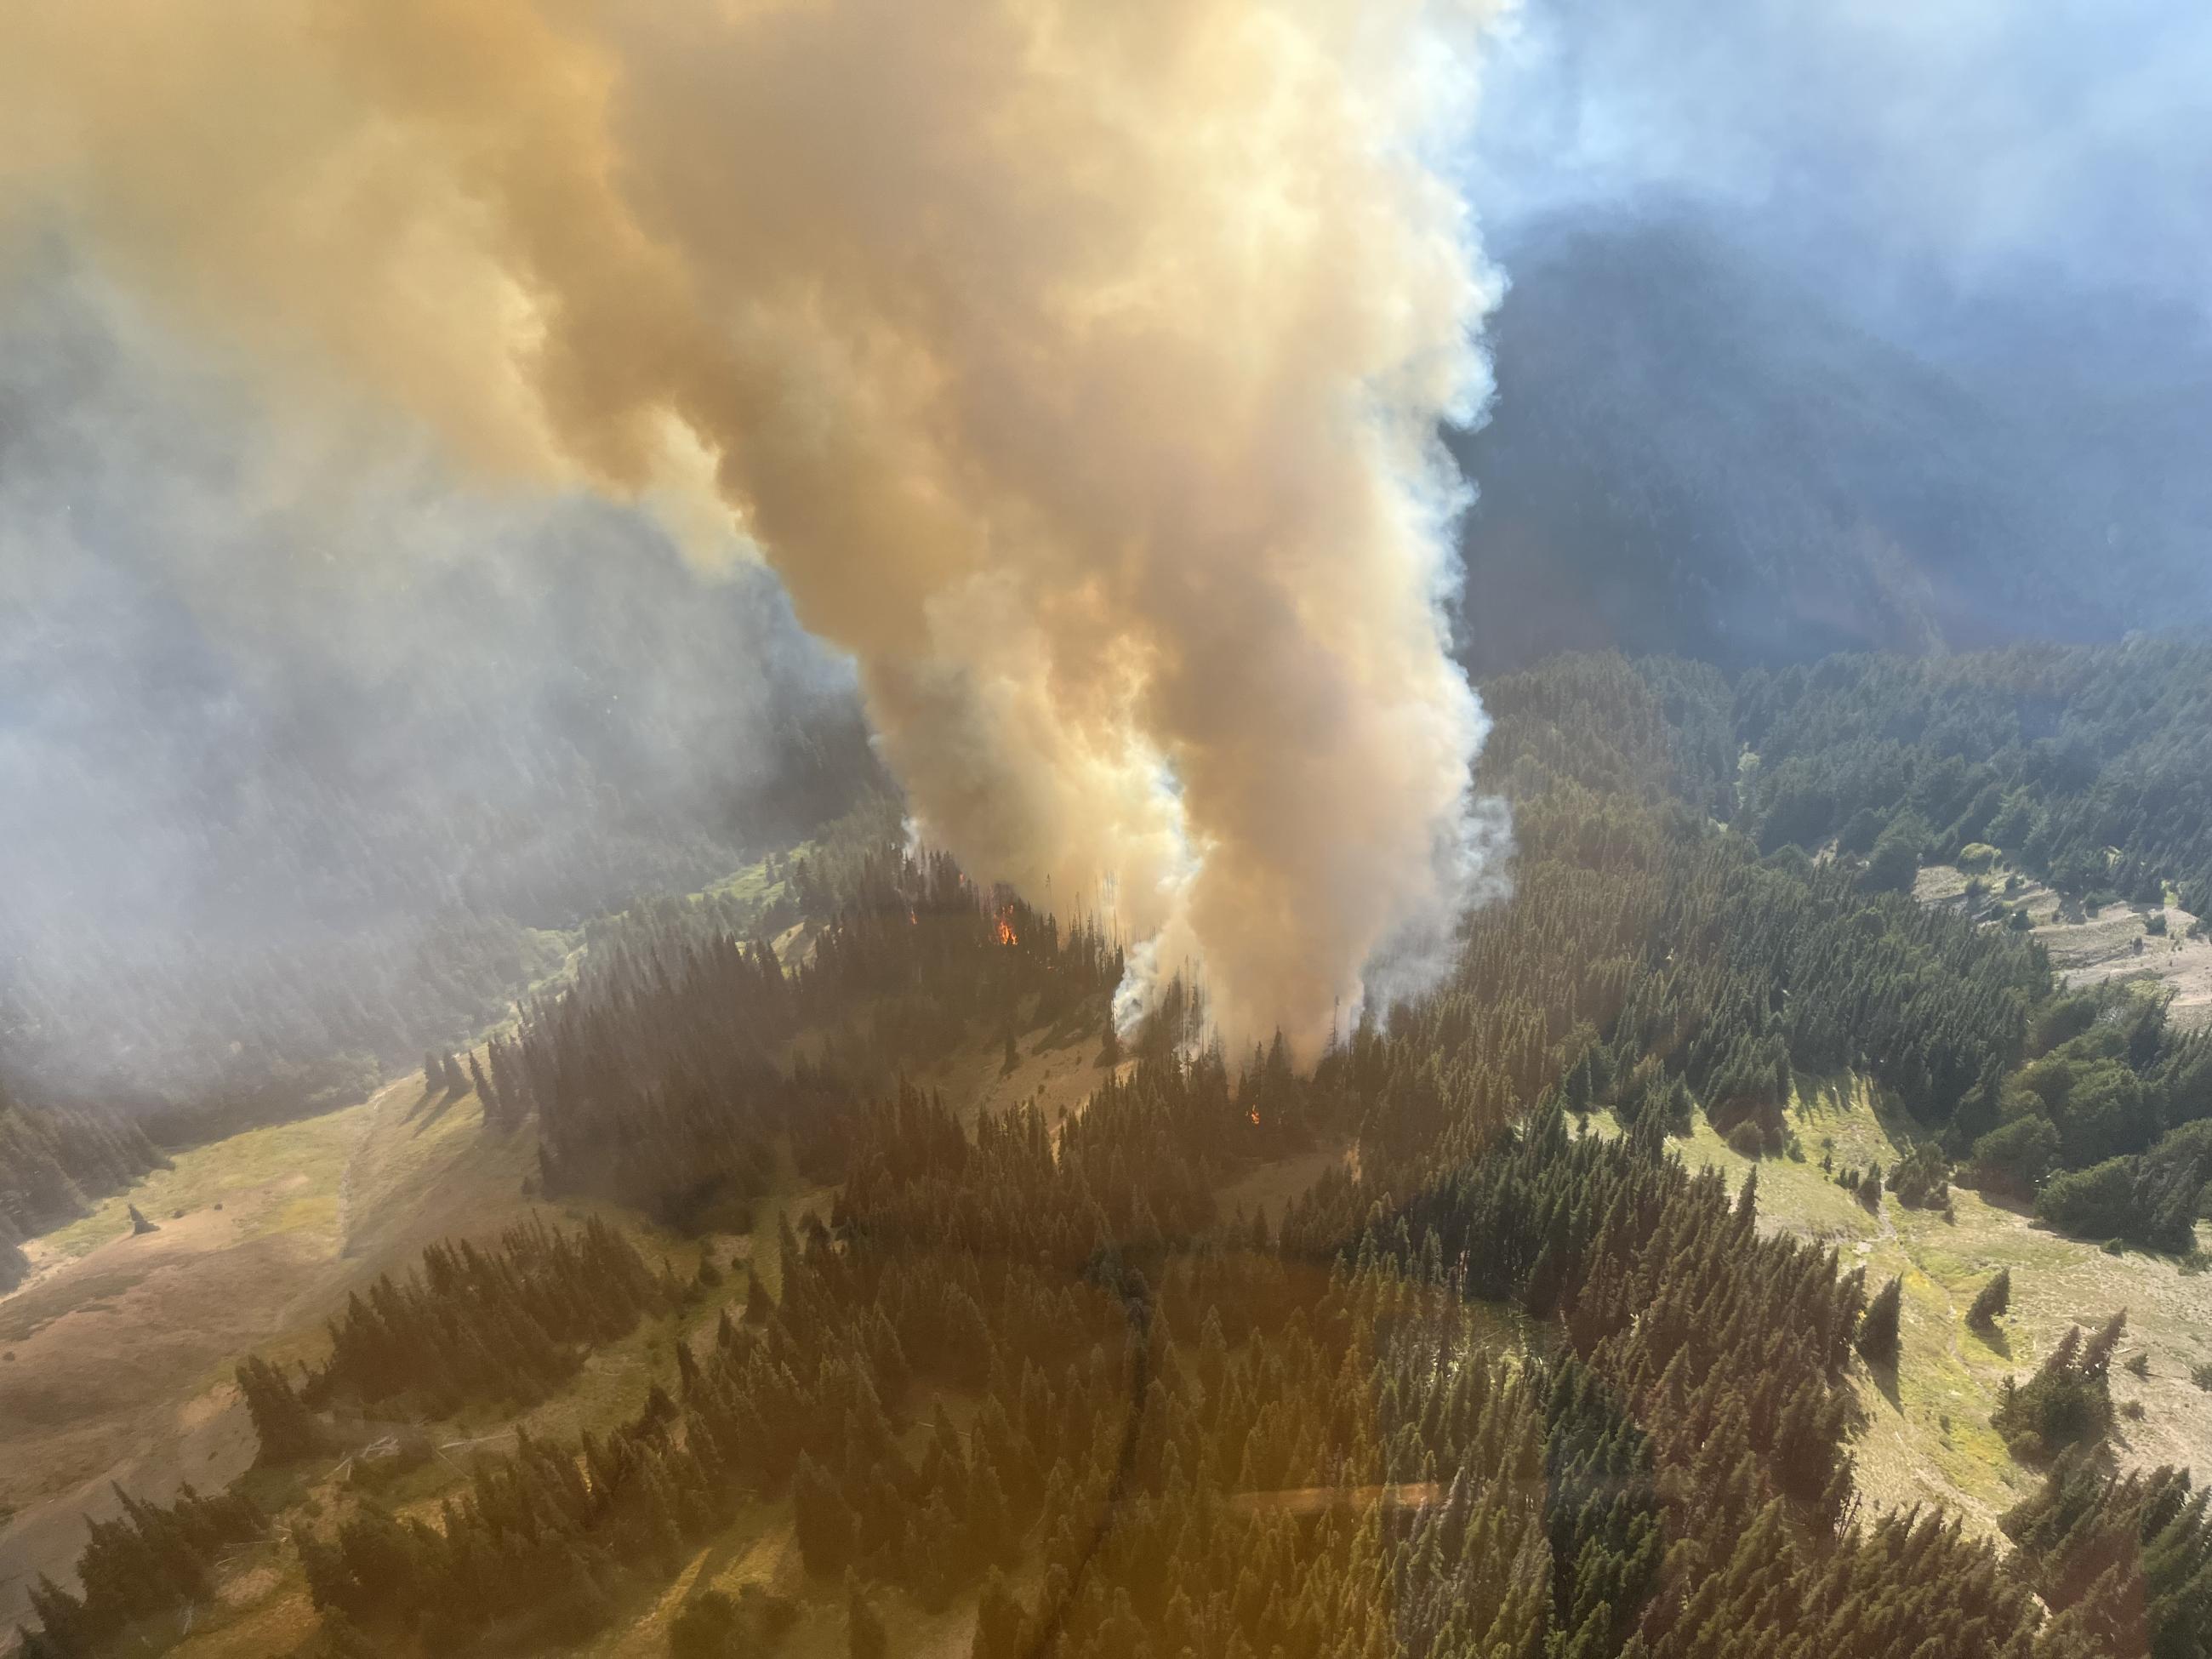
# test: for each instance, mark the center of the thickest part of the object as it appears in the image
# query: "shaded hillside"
(50, 1163)
(1693, 451)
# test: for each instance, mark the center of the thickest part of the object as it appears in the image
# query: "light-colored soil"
(2115, 944)
(124, 1347)
(1928, 1436)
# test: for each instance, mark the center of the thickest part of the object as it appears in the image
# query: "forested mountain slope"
(1696, 449)
(2090, 765)
(1500, 1376)
(50, 1163)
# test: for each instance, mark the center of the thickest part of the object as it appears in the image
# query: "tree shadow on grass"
(444, 1106)
(1884, 1373)
(434, 1098)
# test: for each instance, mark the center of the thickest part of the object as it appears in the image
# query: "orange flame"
(1255, 1115)
(1006, 934)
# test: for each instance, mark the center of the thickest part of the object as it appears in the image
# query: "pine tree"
(1993, 1302)
(824, 1522)
(864, 1626)
(2068, 1400)
(287, 1429)
(708, 1626)
(998, 1621)
(1878, 1336)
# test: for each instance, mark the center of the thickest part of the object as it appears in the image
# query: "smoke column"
(1077, 366)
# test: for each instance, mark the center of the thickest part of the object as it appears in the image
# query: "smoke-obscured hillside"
(1696, 449)
(296, 754)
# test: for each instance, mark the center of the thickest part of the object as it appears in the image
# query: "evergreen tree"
(825, 1523)
(864, 1626)
(286, 1429)
(707, 1626)
(1992, 1302)
(1878, 1332)
(999, 1621)
(2067, 1402)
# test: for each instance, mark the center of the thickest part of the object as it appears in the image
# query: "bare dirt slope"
(1928, 1434)
(120, 1349)
(2117, 943)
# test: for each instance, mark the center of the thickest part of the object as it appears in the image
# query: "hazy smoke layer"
(1078, 365)
(296, 743)
(1900, 144)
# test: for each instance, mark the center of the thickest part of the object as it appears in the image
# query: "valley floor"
(118, 1350)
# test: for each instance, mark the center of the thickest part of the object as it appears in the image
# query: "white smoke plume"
(1078, 365)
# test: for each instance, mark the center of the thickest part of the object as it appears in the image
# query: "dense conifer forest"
(2091, 764)
(506, 1323)
(1508, 1378)
(148, 1560)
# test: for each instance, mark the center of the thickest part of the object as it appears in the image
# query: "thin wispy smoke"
(1078, 367)
(1894, 144)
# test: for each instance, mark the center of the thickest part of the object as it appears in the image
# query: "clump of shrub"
(1922, 1178)
(716, 1626)
(2151, 1199)
(2014, 1157)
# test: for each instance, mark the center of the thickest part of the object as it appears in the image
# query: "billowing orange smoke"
(1079, 366)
